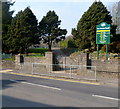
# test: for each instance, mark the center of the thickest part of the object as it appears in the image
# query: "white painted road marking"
(106, 97)
(36, 85)
(14, 81)
(6, 71)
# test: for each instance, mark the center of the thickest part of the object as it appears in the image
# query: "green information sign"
(103, 33)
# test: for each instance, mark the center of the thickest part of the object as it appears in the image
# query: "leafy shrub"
(114, 47)
(63, 44)
(71, 43)
(67, 44)
(37, 50)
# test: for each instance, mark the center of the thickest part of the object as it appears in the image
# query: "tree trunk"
(26, 53)
(49, 45)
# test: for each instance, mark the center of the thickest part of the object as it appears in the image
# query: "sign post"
(103, 36)
(106, 51)
(97, 51)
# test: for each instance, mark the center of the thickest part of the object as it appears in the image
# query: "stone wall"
(47, 59)
(34, 60)
(75, 60)
(106, 66)
(25, 64)
(84, 59)
(81, 59)
(7, 64)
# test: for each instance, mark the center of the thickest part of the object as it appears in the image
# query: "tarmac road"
(23, 91)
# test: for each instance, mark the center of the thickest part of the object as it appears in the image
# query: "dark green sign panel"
(103, 33)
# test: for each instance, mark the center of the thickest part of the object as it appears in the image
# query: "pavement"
(25, 90)
(103, 81)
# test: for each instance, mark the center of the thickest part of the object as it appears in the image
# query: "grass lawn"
(10, 59)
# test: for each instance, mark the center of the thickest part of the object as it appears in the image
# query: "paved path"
(104, 81)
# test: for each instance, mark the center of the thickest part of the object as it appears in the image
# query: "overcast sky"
(69, 12)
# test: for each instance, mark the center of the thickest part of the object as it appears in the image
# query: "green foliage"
(6, 13)
(85, 34)
(69, 43)
(23, 32)
(63, 44)
(114, 47)
(37, 50)
(10, 59)
(102, 52)
(49, 29)
(35, 55)
(6, 20)
(115, 38)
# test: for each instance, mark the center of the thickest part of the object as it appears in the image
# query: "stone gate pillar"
(18, 60)
(49, 60)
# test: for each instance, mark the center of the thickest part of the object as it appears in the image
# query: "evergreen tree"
(23, 32)
(49, 29)
(6, 20)
(85, 34)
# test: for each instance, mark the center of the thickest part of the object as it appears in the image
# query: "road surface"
(22, 91)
